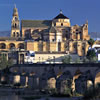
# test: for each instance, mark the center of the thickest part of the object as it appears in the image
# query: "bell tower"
(15, 24)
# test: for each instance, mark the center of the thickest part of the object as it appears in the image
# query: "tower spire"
(14, 5)
(60, 11)
(15, 25)
(15, 11)
(86, 21)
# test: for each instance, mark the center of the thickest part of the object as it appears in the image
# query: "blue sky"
(77, 10)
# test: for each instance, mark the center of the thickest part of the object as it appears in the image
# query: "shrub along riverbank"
(92, 93)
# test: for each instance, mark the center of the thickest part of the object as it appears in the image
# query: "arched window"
(16, 18)
(28, 34)
(11, 45)
(15, 25)
(17, 34)
(2, 46)
(76, 29)
(13, 34)
(21, 46)
(61, 24)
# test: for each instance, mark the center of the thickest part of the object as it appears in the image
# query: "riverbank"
(29, 94)
(16, 97)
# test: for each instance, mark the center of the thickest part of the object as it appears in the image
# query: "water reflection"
(10, 97)
(58, 99)
(15, 97)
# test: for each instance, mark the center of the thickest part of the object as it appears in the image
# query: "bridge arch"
(97, 78)
(84, 81)
(2, 46)
(75, 77)
(64, 81)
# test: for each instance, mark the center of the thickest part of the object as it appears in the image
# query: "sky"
(77, 10)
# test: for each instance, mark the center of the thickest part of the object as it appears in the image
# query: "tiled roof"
(52, 30)
(36, 23)
(61, 16)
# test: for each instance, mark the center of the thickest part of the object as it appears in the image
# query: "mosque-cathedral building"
(55, 36)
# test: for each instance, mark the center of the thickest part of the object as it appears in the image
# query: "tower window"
(13, 34)
(53, 40)
(16, 18)
(12, 26)
(61, 24)
(76, 33)
(17, 34)
(76, 29)
(15, 25)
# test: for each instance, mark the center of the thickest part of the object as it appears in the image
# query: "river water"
(15, 97)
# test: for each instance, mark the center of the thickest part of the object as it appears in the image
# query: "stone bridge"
(94, 68)
(80, 73)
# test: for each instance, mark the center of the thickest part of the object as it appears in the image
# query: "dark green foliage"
(78, 60)
(68, 91)
(91, 56)
(66, 59)
(66, 87)
(75, 94)
(4, 63)
(85, 60)
(92, 93)
(91, 42)
(52, 91)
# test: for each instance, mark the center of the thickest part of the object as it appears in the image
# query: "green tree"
(78, 60)
(85, 60)
(91, 56)
(4, 63)
(67, 59)
(91, 42)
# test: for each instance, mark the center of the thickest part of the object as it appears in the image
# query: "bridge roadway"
(92, 68)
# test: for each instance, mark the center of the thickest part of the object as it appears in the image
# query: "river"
(16, 97)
